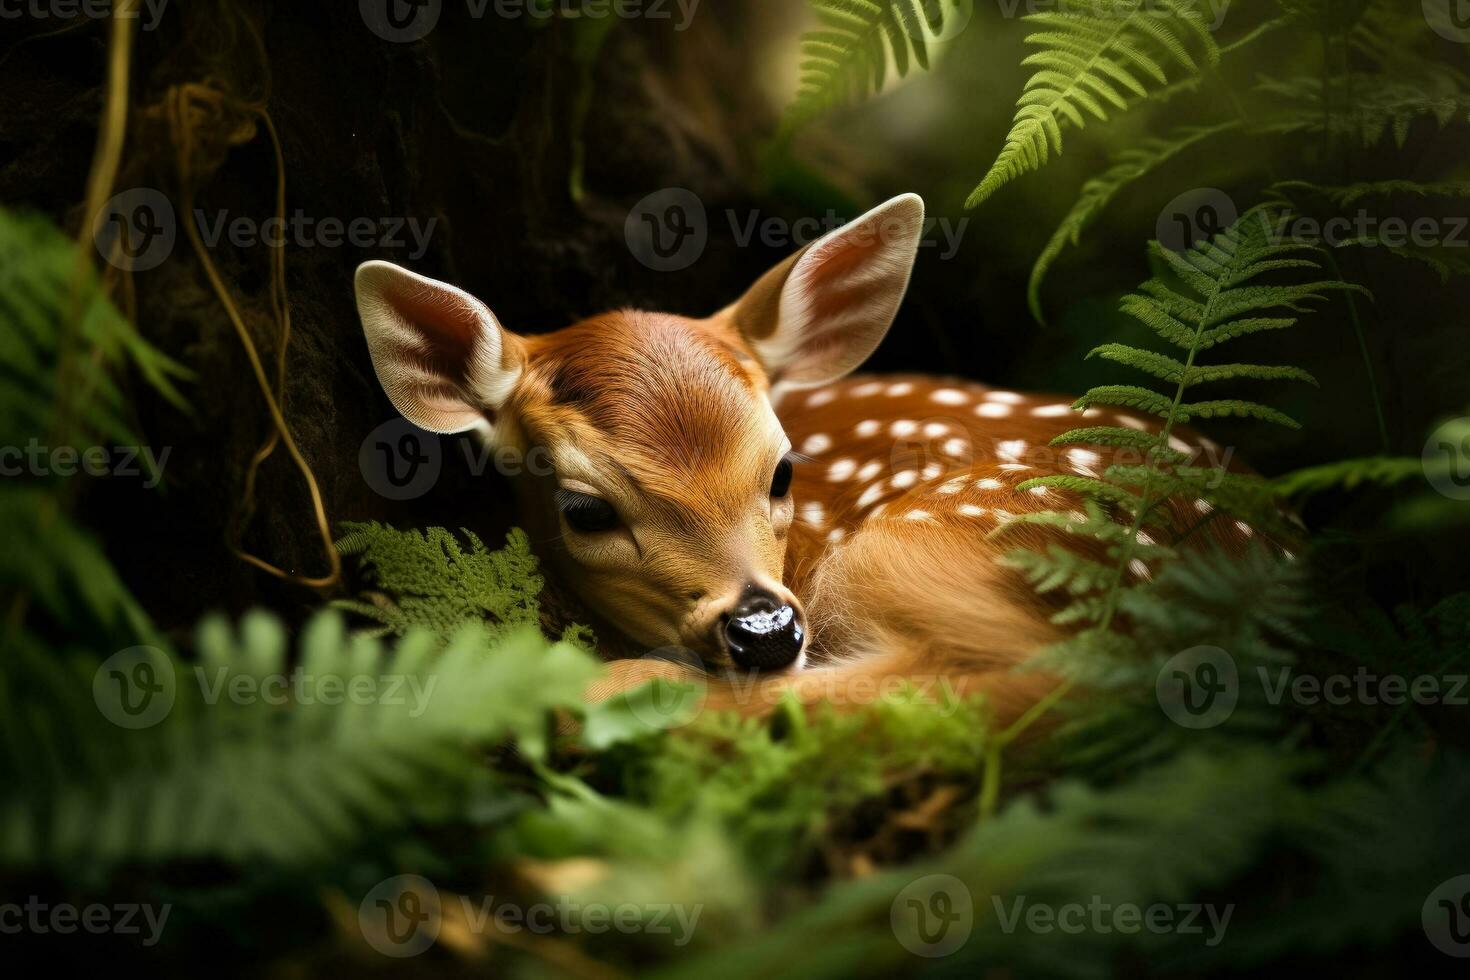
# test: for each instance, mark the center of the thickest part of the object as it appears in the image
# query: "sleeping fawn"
(722, 485)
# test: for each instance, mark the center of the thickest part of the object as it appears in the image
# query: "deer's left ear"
(821, 313)
(440, 354)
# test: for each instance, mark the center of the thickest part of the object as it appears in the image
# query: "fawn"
(718, 486)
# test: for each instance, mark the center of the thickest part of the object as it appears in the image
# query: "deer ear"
(440, 354)
(821, 313)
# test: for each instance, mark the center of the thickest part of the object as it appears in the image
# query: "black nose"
(762, 632)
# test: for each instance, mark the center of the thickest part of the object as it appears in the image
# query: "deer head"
(667, 501)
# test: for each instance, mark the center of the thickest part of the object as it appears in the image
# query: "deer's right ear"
(440, 354)
(818, 315)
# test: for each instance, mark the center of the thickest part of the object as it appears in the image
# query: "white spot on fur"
(992, 410)
(816, 444)
(1013, 467)
(903, 427)
(900, 389)
(1083, 457)
(823, 397)
(836, 534)
(1051, 411)
(1245, 528)
(866, 389)
(989, 483)
(1137, 567)
(1008, 397)
(905, 479)
(1180, 446)
(869, 470)
(1011, 449)
(1203, 506)
(841, 470)
(1145, 537)
(868, 427)
(1132, 423)
(948, 396)
(971, 510)
(870, 496)
(813, 513)
(955, 447)
(918, 515)
(952, 487)
(1040, 491)
(932, 471)
(933, 430)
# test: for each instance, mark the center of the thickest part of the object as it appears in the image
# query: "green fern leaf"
(846, 59)
(1236, 408)
(1130, 166)
(1090, 60)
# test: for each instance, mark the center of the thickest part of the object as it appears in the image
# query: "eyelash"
(586, 513)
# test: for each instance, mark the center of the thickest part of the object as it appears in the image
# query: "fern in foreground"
(1093, 56)
(256, 758)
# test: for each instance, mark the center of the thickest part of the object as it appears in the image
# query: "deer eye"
(781, 479)
(586, 513)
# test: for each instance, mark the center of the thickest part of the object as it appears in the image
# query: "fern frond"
(37, 278)
(1384, 104)
(846, 59)
(243, 767)
(1090, 59)
(1130, 166)
(1057, 568)
(1106, 435)
(1348, 474)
